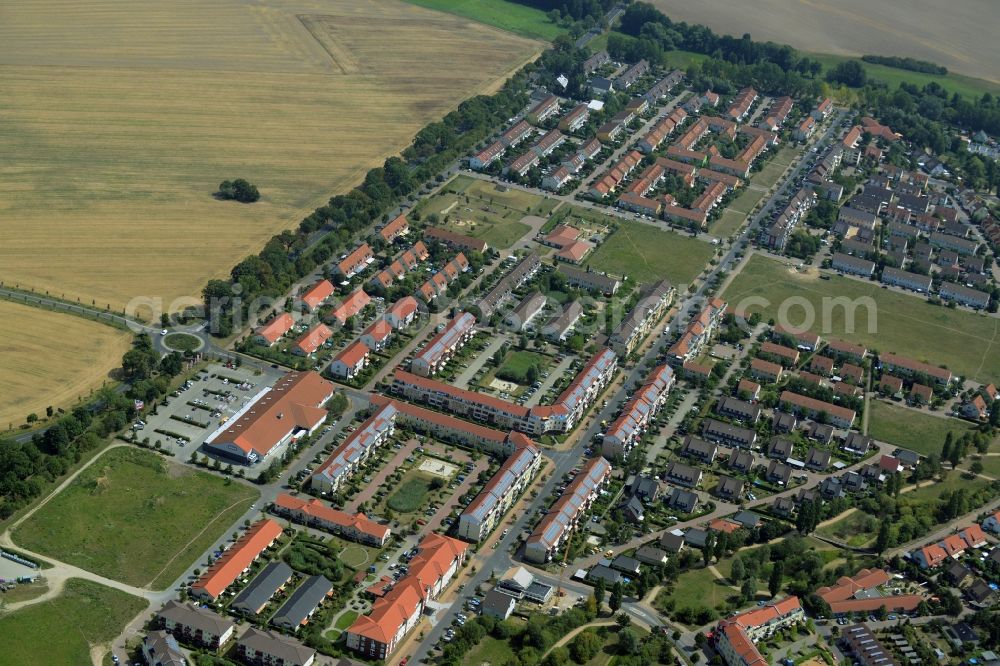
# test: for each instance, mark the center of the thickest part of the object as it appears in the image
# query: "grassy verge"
(411, 495)
(63, 630)
(135, 517)
(517, 18)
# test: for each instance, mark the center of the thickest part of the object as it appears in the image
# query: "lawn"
(484, 210)
(912, 429)
(511, 16)
(354, 556)
(991, 465)
(51, 358)
(954, 481)
(646, 253)
(411, 494)
(182, 342)
(134, 517)
(345, 620)
(856, 529)
(772, 171)
(122, 133)
(491, 650)
(63, 630)
(696, 589)
(516, 366)
(884, 320)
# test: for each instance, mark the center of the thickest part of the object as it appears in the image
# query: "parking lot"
(201, 405)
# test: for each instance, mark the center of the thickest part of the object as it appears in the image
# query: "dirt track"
(961, 35)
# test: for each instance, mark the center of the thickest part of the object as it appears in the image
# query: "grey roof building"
(300, 606)
(255, 596)
(268, 647)
(161, 649)
(498, 605)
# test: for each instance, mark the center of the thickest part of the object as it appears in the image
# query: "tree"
(777, 574)
(946, 447)
(749, 589)
(628, 642)
(585, 646)
(850, 72)
(615, 602)
(622, 620)
(238, 190)
(599, 589)
(976, 467)
(738, 570)
(884, 533)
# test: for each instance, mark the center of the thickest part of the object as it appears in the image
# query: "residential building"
(306, 599)
(273, 417)
(683, 475)
(392, 616)
(375, 431)
(497, 604)
(273, 330)
(485, 512)
(486, 156)
(349, 363)
(589, 279)
(529, 308)
(543, 110)
(654, 300)
(735, 637)
(355, 262)
(551, 532)
(161, 649)
(519, 274)
(399, 226)
(195, 625)
(728, 434)
(378, 335)
(841, 349)
(812, 408)
(626, 79)
(559, 327)
(236, 560)
(866, 649)
(575, 118)
(695, 447)
(910, 368)
(853, 265)
(454, 240)
(312, 340)
(765, 370)
(439, 349)
(267, 648)
(739, 410)
(912, 281)
(698, 333)
(314, 513)
(516, 134)
(637, 413)
(351, 306)
(317, 294)
(973, 298)
(254, 597)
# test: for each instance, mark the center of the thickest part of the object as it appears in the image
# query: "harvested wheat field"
(961, 34)
(48, 358)
(121, 117)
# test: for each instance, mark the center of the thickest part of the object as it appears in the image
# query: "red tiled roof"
(293, 403)
(277, 327)
(973, 535)
(313, 338)
(316, 509)
(353, 354)
(318, 293)
(933, 554)
(379, 330)
(403, 308)
(237, 559)
(395, 228)
(352, 305)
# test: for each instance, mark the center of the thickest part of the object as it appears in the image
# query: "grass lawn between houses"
(484, 210)
(857, 529)
(411, 494)
(134, 517)
(646, 253)
(912, 429)
(696, 589)
(883, 320)
(64, 629)
(516, 365)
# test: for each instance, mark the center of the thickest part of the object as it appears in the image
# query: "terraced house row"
(484, 513)
(561, 416)
(626, 431)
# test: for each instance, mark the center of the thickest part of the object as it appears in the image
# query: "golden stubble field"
(118, 119)
(48, 358)
(960, 34)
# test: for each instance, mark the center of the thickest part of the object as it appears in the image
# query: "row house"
(549, 142)
(439, 349)
(485, 512)
(776, 114)
(486, 156)
(625, 432)
(812, 408)
(615, 175)
(626, 79)
(741, 104)
(910, 368)
(355, 262)
(545, 109)
(654, 300)
(562, 517)
(575, 119)
(522, 164)
(912, 281)
(698, 333)
(373, 433)
(523, 271)
(516, 134)
(314, 513)
(350, 361)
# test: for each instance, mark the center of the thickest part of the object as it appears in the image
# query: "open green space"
(514, 17)
(696, 589)
(646, 253)
(134, 517)
(727, 224)
(411, 494)
(522, 367)
(355, 556)
(952, 482)
(345, 620)
(23, 592)
(484, 210)
(182, 342)
(952, 82)
(772, 171)
(62, 630)
(682, 59)
(857, 529)
(991, 465)
(882, 320)
(912, 429)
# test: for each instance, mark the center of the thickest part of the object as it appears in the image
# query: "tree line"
(911, 64)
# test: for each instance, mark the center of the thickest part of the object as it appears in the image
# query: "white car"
(163, 332)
